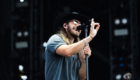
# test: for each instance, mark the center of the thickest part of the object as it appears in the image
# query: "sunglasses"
(76, 22)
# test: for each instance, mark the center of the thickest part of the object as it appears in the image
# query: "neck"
(71, 39)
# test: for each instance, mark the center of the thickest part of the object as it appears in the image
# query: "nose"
(78, 25)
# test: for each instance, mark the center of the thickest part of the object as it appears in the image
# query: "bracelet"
(85, 42)
(91, 37)
(83, 60)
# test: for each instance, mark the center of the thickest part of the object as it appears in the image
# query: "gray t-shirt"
(58, 67)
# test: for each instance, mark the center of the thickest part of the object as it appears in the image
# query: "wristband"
(83, 60)
(91, 37)
(85, 42)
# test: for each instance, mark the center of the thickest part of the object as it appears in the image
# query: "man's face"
(72, 26)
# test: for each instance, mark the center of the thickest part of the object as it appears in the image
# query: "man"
(65, 53)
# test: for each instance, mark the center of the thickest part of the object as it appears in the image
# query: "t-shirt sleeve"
(54, 42)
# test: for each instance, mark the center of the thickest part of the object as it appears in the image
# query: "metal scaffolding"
(33, 53)
(132, 38)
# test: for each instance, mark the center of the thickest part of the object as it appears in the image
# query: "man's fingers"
(92, 23)
(86, 48)
(88, 53)
(98, 26)
(92, 20)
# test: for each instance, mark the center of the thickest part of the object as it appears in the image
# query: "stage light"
(127, 76)
(120, 32)
(45, 44)
(121, 65)
(22, 3)
(124, 76)
(20, 68)
(124, 21)
(118, 76)
(26, 33)
(19, 34)
(22, 44)
(23, 77)
(21, 0)
(121, 58)
(117, 21)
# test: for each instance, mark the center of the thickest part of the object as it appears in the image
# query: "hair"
(62, 32)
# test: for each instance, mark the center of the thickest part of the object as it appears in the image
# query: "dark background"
(37, 18)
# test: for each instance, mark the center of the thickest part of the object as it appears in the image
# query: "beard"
(71, 33)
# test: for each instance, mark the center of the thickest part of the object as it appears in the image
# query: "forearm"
(76, 47)
(82, 71)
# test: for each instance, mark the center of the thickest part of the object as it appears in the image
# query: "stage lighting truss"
(21, 0)
(22, 33)
(125, 76)
(25, 33)
(21, 44)
(19, 34)
(121, 21)
(118, 76)
(22, 3)
(20, 67)
(121, 32)
(117, 21)
(124, 20)
(24, 77)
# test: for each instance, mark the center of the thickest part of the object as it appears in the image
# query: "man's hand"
(87, 51)
(82, 70)
(93, 30)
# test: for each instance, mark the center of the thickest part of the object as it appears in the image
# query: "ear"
(65, 25)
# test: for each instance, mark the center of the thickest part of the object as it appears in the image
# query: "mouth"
(77, 30)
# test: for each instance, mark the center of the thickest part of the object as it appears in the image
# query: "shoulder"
(54, 42)
(55, 37)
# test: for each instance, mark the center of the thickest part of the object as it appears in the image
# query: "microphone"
(80, 27)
